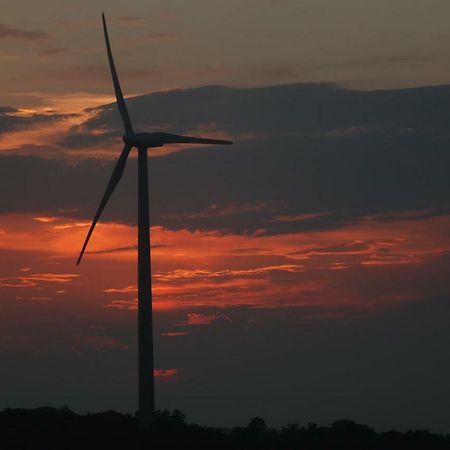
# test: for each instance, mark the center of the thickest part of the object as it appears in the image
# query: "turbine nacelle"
(158, 139)
(141, 140)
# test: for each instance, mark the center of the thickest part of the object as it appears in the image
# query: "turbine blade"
(113, 182)
(117, 89)
(168, 138)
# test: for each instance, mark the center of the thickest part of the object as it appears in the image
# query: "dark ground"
(50, 428)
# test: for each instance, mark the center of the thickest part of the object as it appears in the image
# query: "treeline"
(62, 429)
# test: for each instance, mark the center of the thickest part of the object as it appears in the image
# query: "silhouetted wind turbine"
(142, 141)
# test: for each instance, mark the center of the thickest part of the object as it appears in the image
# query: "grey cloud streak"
(40, 37)
(11, 120)
(7, 32)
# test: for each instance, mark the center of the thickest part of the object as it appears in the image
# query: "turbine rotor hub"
(128, 139)
(139, 140)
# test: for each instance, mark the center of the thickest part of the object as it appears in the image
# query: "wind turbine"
(142, 141)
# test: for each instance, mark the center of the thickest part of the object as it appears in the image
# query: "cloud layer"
(305, 157)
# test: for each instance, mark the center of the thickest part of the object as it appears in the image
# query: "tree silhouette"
(56, 429)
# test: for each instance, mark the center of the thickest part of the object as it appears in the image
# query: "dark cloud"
(310, 157)
(11, 119)
(306, 109)
(42, 151)
(277, 109)
(120, 249)
(113, 250)
(336, 248)
(288, 365)
(314, 365)
(256, 185)
(76, 139)
(7, 110)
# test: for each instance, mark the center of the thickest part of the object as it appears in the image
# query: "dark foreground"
(49, 428)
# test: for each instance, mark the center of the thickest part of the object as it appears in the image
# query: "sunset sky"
(301, 275)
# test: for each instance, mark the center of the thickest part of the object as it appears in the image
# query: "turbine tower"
(142, 141)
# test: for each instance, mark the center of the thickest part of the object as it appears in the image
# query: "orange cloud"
(36, 298)
(45, 219)
(34, 280)
(122, 304)
(130, 288)
(361, 265)
(165, 373)
(43, 138)
(175, 333)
